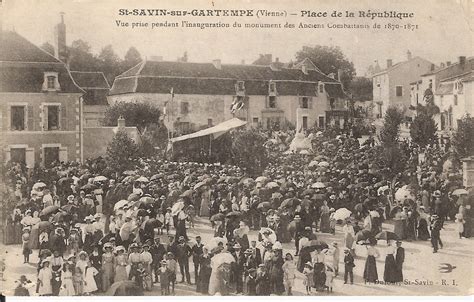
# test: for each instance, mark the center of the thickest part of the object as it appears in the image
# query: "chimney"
(441, 65)
(448, 63)
(408, 55)
(156, 58)
(60, 50)
(432, 67)
(389, 63)
(462, 60)
(217, 64)
(121, 122)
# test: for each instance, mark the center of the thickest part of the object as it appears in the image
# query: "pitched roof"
(395, 66)
(23, 64)
(90, 79)
(205, 78)
(334, 90)
(453, 70)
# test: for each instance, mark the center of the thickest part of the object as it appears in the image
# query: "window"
(18, 155)
(51, 155)
(51, 82)
(240, 85)
(455, 100)
(53, 117)
(272, 87)
(399, 90)
(184, 107)
(332, 103)
(272, 101)
(321, 88)
(321, 122)
(17, 118)
(305, 103)
(209, 122)
(255, 120)
(305, 122)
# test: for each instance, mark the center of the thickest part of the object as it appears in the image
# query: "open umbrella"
(318, 185)
(217, 217)
(177, 207)
(247, 181)
(88, 187)
(68, 208)
(404, 193)
(46, 253)
(38, 185)
(49, 210)
(214, 242)
(156, 177)
(460, 192)
(220, 259)
(342, 214)
(141, 212)
(394, 210)
(374, 214)
(125, 288)
(128, 172)
(382, 189)
(271, 237)
(308, 192)
(187, 193)
(318, 245)
(142, 179)
(65, 180)
(323, 164)
(386, 235)
(272, 185)
(359, 207)
(313, 164)
(152, 223)
(233, 214)
(100, 178)
(199, 185)
(45, 225)
(277, 195)
(261, 179)
(289, 202)
(264, 206)
(133, 197)
(119, 204)
(362, 236)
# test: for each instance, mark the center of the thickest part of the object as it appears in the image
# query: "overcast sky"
(443, 33)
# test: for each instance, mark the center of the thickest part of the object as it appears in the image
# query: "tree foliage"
(423, 130)
(132, 58)
(463, 138)
(329, 59)
(391, 127)
(361, 89)
(140, 115)
(81, 57)
(392, 159)
(48, 48)
(122, 152)
(248, 151)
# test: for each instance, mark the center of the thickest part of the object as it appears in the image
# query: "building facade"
(392, 86)
(96, 90)
(40, 108)
(198, 95)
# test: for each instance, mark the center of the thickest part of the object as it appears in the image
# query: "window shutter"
(30, 157)
(44, 110)
(62, 111)
(9, 118)
(300, 100)
(310, 102)
(267, 102)
(63, 154)
(30, 122)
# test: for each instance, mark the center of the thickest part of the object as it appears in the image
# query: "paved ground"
(421, 267)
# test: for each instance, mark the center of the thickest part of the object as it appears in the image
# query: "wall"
(93, 115)
(33, 136)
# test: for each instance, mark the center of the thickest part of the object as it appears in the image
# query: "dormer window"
(240, 85)
(321, 87)
(51, 82)
(272, 87)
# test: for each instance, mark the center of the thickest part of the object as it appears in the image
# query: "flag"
(237, 105)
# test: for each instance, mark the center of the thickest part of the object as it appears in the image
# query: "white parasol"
(342, 214)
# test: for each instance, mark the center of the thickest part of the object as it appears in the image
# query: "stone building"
(199, 95)
(40, 107)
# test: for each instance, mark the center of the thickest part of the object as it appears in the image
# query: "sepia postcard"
(236, 148)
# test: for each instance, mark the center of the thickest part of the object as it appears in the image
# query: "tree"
(463, 138)
(423, 130)
(392, 160)
(329, 59)
(361, 89)
(122, 152)
(81, 58)
(248, 151)
(109, 63)
(391, 126)
(140, 115)
(48, 48)
(132, 58)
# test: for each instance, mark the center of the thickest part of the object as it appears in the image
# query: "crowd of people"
(125, 232)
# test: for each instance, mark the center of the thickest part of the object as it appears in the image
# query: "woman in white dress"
(67, 287)
(44, 279)
(349, 235)
(90, 285)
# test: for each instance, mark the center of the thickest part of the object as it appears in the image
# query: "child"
(78, 282)
(329, 278)
(308, 280)
(164, 278)
(459, 224)
(43, 241)
(168, 220)
(90, 285)
(172, 266)
(67, 286)
(25, 238)
(251, 282)
(289, 269)
(332, 221)
(161, 218)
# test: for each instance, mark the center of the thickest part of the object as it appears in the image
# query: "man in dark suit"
(238, 267)
(436, 225)
(157, 251)
(183, 251)
(256, 253)
(299, 230)
(399, 259)
(348, 266)
(197, 252)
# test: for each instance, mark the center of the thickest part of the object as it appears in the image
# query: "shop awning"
(215, 131)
